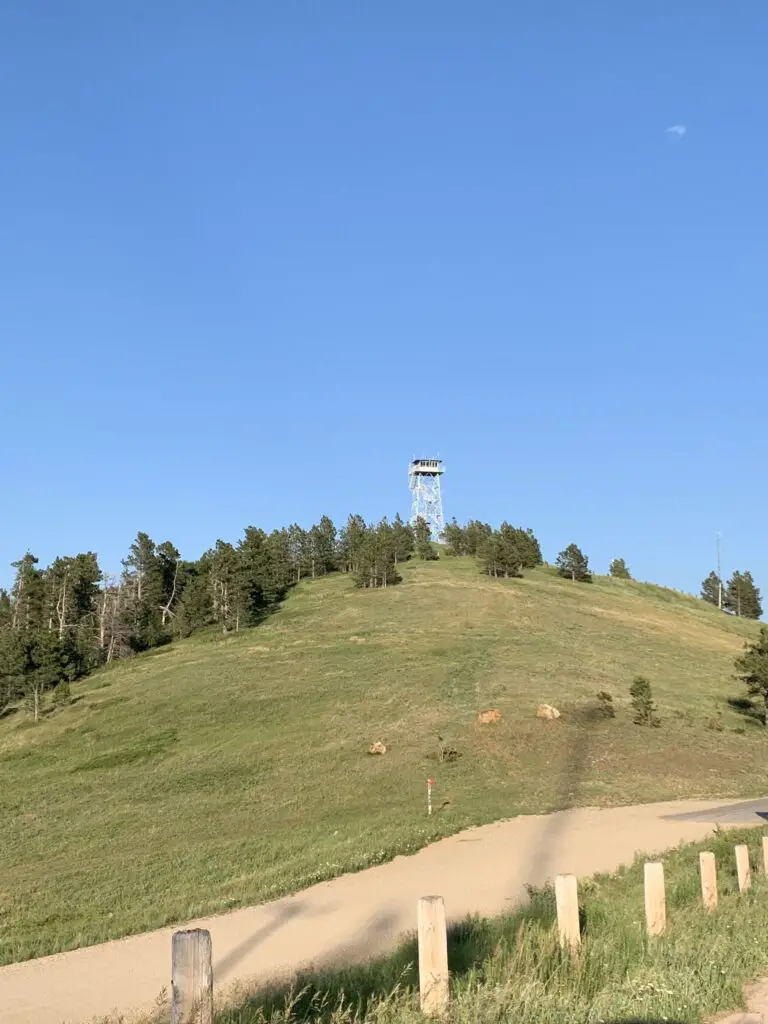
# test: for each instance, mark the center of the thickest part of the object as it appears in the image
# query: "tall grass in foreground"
(511, 968)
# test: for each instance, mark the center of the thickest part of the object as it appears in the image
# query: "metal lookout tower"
(426, 499)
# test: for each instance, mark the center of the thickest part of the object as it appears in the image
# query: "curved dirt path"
(483, 870)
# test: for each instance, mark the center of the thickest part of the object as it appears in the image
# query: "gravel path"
(483, 871)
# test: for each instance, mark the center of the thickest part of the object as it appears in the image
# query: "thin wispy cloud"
(677, 130)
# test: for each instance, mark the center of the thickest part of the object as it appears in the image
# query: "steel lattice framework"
(426, 497)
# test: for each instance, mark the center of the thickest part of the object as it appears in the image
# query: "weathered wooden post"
(708, 870)
(191, 977)
(765, 854)
(567, 898)
(655, 899)
(433, 956)
(742, 868)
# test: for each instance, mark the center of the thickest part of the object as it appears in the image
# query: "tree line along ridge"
(58, 624)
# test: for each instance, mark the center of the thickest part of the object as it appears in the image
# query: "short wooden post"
(433, 956)
(655, 899)
(567, 898)
(742, 868)
(191, 977)
(708, 869)
(765, 854)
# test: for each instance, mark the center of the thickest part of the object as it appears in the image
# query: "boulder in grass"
(547, 712)
(377, 748)
(491, 715)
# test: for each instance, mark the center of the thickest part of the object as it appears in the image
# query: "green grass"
(511, 968)
(225, 771)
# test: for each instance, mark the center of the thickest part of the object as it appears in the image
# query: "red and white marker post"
(430, 784)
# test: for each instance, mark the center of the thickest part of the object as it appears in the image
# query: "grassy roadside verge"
(511, 969)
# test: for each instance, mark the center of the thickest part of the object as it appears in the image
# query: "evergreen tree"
(322, 548)
(27, 595)
(642, 701)
(491, 555)
(532, 549)
(619, 569)
(195, 608)
(454, 539)
(143, 582)
(170, 569)
(574, 565)
(422, 535)
(752, 669)
(402, 539)
(375, 562)
(228, 587)
(476, 534)
(12, 665)
(742, 597)
(513, 550)
(278, 569)
(6, 609)
(712, 589)
(350, 542)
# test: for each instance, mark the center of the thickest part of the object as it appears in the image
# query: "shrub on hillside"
(642, 702)
(605, 704)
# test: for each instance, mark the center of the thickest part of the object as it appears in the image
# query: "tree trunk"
(167, 608)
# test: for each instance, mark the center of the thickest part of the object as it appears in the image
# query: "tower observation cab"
(426, 497)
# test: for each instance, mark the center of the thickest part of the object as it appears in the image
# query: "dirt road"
(484, 870)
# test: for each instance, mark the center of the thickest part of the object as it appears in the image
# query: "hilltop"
(222, 771)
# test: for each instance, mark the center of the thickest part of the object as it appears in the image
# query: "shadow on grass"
(748, 709)
(316, 995)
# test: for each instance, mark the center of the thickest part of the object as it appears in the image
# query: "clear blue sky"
(254, 256)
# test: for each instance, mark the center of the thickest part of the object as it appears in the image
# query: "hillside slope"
(226, 771)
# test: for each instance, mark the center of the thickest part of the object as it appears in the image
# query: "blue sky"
(255, 256)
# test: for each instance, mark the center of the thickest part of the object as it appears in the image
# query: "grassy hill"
(226, 771)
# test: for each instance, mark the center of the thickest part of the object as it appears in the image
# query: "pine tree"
(195, 608)
(712, 589)
(350, 542)
(742, 597)
(422, 535)
(375, 565)
(170, 568)
(228, 587)
(490, 553)
(143, 581)
(513, 550)
(642, 701)
(574, 565)
(323, 553)
(403, 540)
(27, 595)
(532, 549)
(454, 539)
(619, 569)
(476, 534)
(752, 669)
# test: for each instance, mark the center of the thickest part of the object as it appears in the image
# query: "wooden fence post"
(191, 977)
(765, 854)
(742, 868)
(655, 899)
(567, 898)
(433, 956)
(708, 880)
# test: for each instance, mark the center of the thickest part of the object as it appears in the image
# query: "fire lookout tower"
(426, 498)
